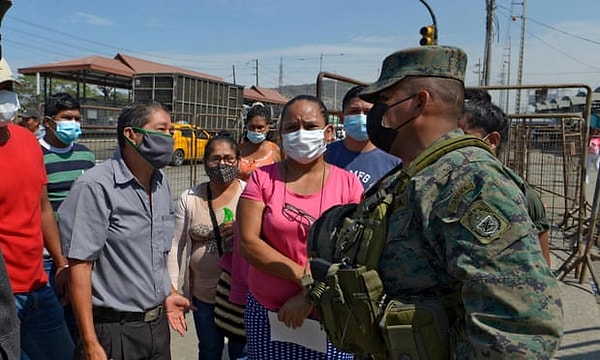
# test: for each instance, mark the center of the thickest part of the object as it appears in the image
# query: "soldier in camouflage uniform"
(462, 225)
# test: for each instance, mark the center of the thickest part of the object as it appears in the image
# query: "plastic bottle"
(228, 215)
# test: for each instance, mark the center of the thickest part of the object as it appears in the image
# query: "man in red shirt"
(27, 225)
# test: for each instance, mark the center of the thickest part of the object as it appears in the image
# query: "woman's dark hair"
(258, 110)
(311, 98)
(209, 148)
(483, 114)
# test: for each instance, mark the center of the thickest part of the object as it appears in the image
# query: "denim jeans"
(44, 333)
(50, 269)
(210, 338)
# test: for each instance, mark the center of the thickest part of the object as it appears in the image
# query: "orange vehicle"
(189, 143)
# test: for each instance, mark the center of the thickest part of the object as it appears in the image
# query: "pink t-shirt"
(285, 230)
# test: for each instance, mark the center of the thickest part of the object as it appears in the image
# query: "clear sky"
(562, 41)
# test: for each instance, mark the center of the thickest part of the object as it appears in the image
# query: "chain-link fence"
(102, 141)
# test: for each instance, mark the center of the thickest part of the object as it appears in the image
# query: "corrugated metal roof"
(141, 66)
(256, 93)
(101, 70)
(91, 63)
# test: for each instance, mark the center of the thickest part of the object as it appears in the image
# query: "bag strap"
(213, 218)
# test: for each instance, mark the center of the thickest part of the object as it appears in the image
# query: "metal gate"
(549, 151)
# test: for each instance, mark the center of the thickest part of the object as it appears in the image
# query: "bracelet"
(65, 266)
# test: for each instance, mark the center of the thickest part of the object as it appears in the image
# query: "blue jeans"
(210, 338)
(50, 269)
(44, 333)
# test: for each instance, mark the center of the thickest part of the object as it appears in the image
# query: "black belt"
(108, 315)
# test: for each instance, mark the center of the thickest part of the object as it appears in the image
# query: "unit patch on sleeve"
(484, 222)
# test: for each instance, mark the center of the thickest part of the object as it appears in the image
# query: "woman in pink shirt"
(275, 212)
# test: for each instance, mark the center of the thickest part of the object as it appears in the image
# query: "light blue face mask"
(356, 126)
(67, 131)
(255, 137)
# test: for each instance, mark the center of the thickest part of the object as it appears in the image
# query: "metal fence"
(102, 141)
(550, 156)
(549, 151)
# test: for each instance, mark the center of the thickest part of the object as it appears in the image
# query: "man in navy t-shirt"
(356, 153)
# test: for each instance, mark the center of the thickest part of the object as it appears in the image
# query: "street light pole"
(433, 22)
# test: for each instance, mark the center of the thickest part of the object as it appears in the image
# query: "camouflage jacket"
(463, 224)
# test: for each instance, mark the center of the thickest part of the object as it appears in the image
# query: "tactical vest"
(345, 245)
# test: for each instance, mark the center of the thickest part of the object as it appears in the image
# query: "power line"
(50, 40)
(565, 32)
(562, 52)
(554, 47)
(118, 49)
(553, 27)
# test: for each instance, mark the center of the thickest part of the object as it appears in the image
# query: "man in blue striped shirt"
(65, 161)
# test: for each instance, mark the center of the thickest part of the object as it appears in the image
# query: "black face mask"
(380, 136)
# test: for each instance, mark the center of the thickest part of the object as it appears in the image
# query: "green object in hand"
(228, 215)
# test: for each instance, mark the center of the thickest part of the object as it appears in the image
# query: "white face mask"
(9, 105)
(304, 146)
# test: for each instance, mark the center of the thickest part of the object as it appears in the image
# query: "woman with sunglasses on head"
(275, 212)
(201, 244)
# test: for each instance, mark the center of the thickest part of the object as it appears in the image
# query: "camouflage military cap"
(437, 61)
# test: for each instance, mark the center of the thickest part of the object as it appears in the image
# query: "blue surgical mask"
(356, 126)
(255, 137)
(67, 131)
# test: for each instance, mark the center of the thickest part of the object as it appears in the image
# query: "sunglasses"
(294, 214)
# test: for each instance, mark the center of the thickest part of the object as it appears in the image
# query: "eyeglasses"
(216, 160)
(294, 214)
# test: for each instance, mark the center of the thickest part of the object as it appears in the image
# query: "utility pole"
(507, 62)
(489, 37)
(478, 71)
(233, 67)
(256, 72)
(280, 73)
(321, 63)
(521, 51)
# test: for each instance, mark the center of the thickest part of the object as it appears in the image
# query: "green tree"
(28, 97)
